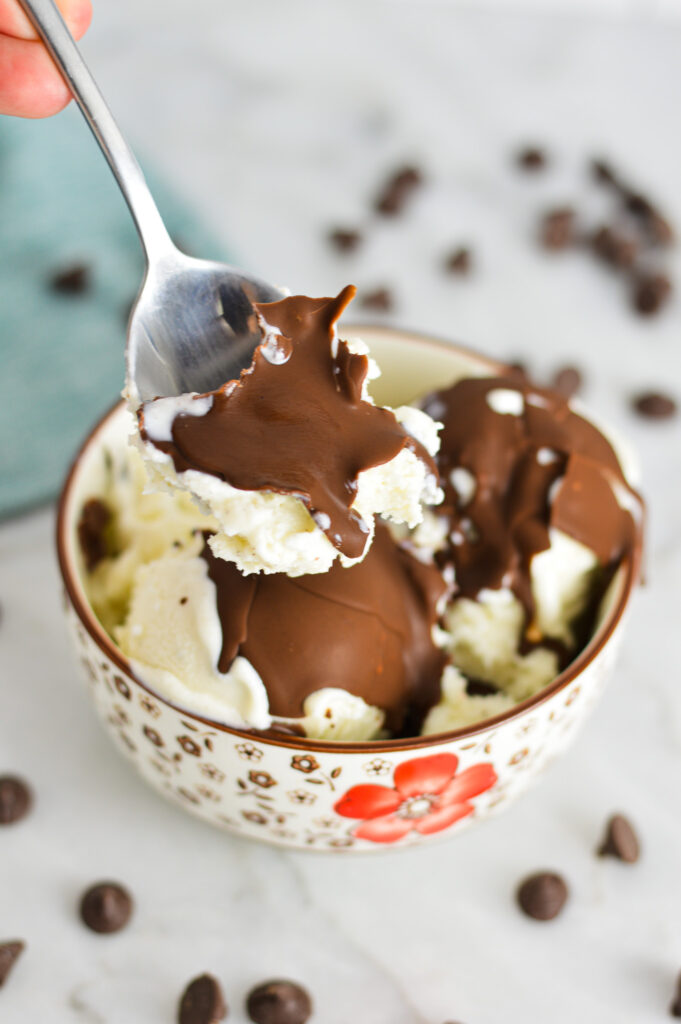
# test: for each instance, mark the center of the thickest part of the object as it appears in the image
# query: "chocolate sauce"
(514, 459)
(366, 629)
(295, 422)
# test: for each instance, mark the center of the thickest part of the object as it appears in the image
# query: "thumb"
(13, 21)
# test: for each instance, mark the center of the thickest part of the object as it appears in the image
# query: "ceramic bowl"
(347, 797)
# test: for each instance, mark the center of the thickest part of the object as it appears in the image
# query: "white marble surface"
(280, 119)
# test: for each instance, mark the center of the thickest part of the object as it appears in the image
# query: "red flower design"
(428, 796)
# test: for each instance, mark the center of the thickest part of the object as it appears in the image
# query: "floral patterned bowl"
(322, 795)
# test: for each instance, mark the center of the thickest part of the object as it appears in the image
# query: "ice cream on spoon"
(293, 459)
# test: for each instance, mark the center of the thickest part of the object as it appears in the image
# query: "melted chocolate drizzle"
(515, 460)
(295, 422)
(365, 629)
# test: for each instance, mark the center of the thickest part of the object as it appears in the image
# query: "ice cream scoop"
(537, 517)
(517, 462)
(350, 647)
(293, 458)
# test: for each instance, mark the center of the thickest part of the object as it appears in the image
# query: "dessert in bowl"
(400, 770)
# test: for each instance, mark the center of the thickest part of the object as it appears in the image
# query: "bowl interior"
(411, 366)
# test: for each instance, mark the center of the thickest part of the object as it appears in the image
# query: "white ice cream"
(457, 709)
(173, 637)
(144, 526)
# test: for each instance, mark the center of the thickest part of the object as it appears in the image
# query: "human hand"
(30, 85)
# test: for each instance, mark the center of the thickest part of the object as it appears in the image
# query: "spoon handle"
(61, 45)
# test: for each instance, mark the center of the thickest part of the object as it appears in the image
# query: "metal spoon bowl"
(192, 326)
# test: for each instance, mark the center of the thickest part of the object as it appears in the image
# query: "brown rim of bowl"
(562, 680)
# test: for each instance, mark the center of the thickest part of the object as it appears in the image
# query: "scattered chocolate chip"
(603, 172)
(480, 688)
(71, 280)
(543, 895)
(638, 205)
(94, 518)
(381, 299)
(651, 292)
(279, 1002)
(15, 799)
(344, 239)
(9, 954)
(106, 907)
(183, 600)
(620, 840)
(654, 405)
(531, 158)
(659, 229)
(567, 381)
(396, 191)
(202, 1002)
(459, 261)
(613, 248)
(558, 228)
(675, 1008)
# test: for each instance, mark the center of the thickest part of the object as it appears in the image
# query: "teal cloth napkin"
(62, 355)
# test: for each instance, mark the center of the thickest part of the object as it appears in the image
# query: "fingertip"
(46, 106)
(14, 22)
(79, 17)
(30, 85)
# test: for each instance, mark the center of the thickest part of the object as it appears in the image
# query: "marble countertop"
(280, 120)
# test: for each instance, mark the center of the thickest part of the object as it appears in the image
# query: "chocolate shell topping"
(515, 461)
(365, 629)
(295, 422)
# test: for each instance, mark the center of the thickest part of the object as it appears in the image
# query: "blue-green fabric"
(62, 356)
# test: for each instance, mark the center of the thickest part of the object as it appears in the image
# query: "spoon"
(193, 326)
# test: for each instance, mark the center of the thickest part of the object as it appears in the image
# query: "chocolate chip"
(94, 518)
(344, 239)
(543, 895)
(603, 172)
(614, 248)
(380, 299)
(15, 799)
(279, 1002)
(531, 158)
(650, 293)
(9, 954)
(659, 229)
(620, 840)
(71, 280)
(654, 405)
(675, 1008)
(557, 229)
(106, 907)
(397, 190)
(202, 1002)
(459, 261)
(638, 205)
(567, 381)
